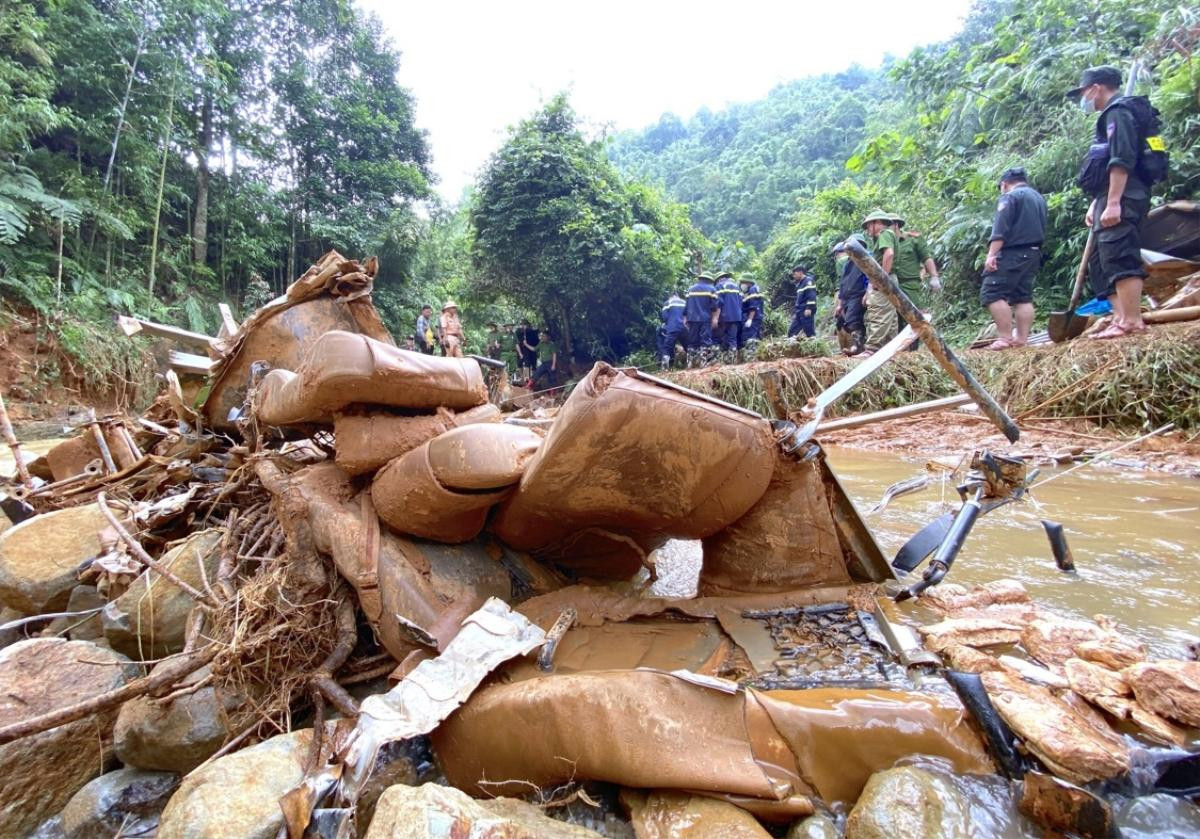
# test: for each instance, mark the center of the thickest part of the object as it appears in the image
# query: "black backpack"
(1153, 159)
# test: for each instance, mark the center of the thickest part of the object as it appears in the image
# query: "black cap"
(1106, 75)
(796, 268)
(1014, 174)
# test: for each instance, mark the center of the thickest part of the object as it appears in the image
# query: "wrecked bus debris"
(341, 528)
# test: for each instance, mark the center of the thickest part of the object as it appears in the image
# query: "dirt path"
(952, 434)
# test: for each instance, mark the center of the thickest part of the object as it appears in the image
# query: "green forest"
(160, 156)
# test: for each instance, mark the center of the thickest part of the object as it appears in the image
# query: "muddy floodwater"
(1135, 537)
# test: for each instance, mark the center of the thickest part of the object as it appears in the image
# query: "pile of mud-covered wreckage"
(325, 587)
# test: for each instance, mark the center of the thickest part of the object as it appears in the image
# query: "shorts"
(1012, 281)
(1118, 252)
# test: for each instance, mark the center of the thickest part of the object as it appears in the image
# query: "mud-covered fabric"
(879, 319)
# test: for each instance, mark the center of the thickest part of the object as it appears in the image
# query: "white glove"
(748, 323)
(935, 283)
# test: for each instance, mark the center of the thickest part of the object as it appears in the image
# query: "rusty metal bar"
(932, 340)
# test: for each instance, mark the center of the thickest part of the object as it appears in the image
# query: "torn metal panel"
(488, 638)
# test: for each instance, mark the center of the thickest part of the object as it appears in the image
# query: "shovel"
(1063, 326)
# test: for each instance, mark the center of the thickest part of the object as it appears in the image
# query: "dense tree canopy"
(558, 231)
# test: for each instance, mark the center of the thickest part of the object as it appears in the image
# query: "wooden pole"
(895, 413)
(13, 443)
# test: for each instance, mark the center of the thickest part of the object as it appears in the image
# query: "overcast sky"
(477, 68)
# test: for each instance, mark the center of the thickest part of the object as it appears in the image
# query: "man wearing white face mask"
(1115, 174)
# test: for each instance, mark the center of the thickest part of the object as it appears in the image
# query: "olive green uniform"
(880, 319)
(911, 253)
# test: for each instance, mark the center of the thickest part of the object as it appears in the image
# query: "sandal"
(864, 354)
(1116, 330)
(1001, 344)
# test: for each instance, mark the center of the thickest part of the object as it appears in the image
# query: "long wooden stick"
(13, 443)
(896, 413)
(165, 675)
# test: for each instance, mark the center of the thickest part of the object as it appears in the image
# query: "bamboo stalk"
(13, 443)
(895, 413)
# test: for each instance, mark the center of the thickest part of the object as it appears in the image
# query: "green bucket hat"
(704, 275)
(876, 215)
(746, 279)
(723, 275)
(898, 219)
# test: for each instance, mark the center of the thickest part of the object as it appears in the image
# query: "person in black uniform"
(1013, 258)
(673, 330)
(852, 288)
(729, 318)
(806, 304)
(753, 309)
(700, 313)
(1120, 199)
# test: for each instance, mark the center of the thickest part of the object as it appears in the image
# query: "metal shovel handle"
(931, 340)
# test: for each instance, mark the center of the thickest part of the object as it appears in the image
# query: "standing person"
(880, 316)
(729, 316)
(527, 349)
(673, 329)
(806, 303)
(424, 334)
(1125, 159)
(753, 308)
(1013, 258)
(913, 256)
(508, 348)
(852, 288)
(700, 314)
(547, 355)
(452, 331)
(494, 347)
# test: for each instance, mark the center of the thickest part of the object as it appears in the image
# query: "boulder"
(907, 801)
(176, 736)
(150, 619)
(42, 772)
(666, 814)
(431, 811)
(125, 802)
(1062, 808)
(39, 557)
(84, 598)
(238, 795)
(819, 826)
(1168, 688)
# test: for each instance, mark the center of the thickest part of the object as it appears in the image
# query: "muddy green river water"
(1135, 537)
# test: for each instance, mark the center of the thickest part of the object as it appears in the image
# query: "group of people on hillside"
(527, 353)
(1126, 157)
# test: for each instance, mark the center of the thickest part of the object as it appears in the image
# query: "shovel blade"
(1063, 326)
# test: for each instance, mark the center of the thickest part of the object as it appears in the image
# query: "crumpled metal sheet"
(488, 638)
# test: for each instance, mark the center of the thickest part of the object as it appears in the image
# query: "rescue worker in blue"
(849, 309)
(806, 304)
(729, 318)
(673, 330)
(700, 314)
(753, 309)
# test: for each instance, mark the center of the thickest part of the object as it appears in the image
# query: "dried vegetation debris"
(338, 511)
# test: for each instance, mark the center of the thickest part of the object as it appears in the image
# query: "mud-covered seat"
(343, 369)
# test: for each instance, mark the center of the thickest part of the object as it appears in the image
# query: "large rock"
(666, 814)
(150, 619)
(85, 598)
(125, 802)
(42, 772)
(1169, 688)
(908, 801)
(175, 736)
(818, 826)
(237, 796)
(39, 557)
(1063, 808)
(431, 811)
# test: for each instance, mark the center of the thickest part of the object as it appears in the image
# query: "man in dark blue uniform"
(1118, 185)
(806, 304)
(753, 309)
(729, 318)
(1014, 256)
(700, 314)
(852, 288)
(673, 330)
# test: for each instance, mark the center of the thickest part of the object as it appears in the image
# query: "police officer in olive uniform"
(753, 310)
(673, 330)
(725, 334)
(1014, 256)
(1120, 199)
(806, 304)
(700, 314)
(880, 316)
(913, 256)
